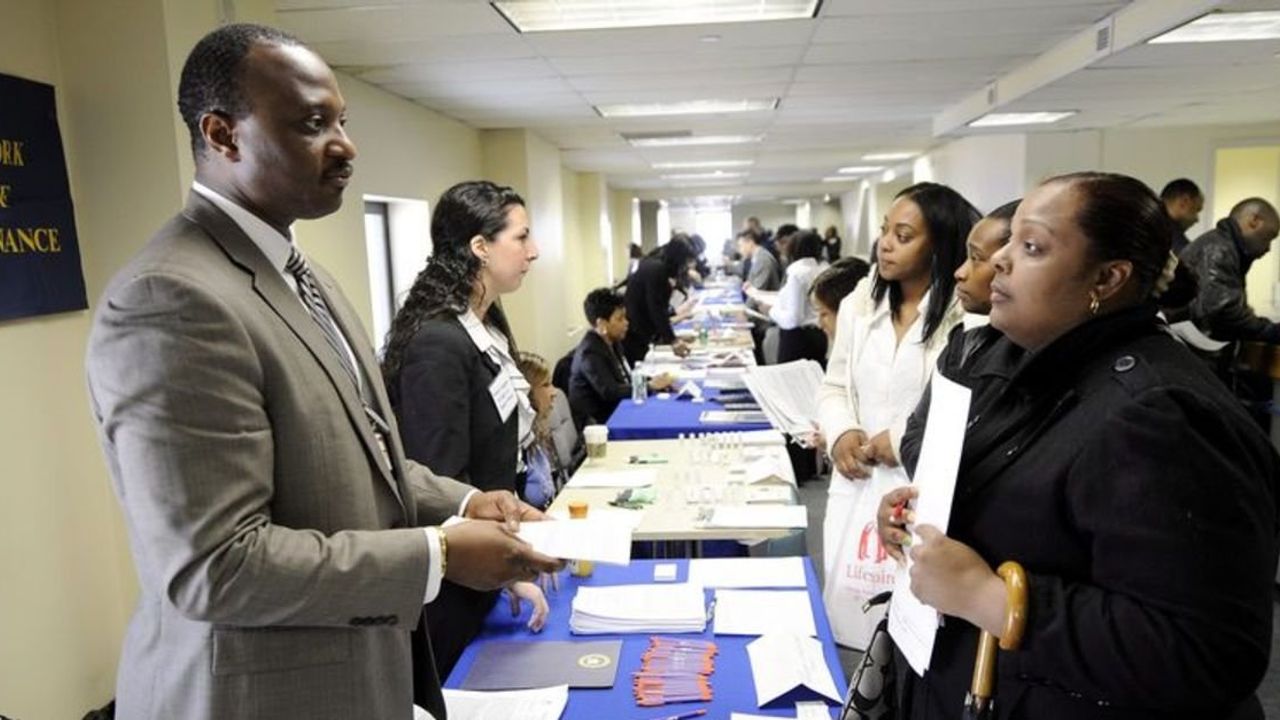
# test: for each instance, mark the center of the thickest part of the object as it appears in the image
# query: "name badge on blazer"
(503, 392)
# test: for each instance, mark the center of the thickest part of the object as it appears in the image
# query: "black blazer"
(648, 300)
(448, 421)
(598, 381)
(1142, 501)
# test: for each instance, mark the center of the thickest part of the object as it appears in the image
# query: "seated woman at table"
(544, 473)
(889, 333)
(451, 373)
(600, 376)
(648, 300)
(1109, 462)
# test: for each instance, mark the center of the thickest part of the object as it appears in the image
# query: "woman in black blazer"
(451, 374)
(600, 377)
(648, 298)
(1109, 462)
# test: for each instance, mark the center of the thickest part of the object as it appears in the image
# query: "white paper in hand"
(912, 624)
(584, 539)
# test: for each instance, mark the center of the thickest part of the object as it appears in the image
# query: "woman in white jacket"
(889, 334)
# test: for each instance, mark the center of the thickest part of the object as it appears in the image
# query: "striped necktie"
(309, 291)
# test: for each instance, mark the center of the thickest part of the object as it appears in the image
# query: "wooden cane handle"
(1015, 610)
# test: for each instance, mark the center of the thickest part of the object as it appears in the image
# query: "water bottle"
(703, 334)
(639, 389)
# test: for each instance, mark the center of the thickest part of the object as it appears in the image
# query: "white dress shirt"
(792, 308)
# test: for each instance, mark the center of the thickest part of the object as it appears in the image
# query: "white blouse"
(792, 308)
(873, 382)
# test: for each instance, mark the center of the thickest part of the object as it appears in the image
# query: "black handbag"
(872, 686)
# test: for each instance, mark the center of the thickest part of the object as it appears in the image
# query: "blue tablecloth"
(732, 684)
(666, 419)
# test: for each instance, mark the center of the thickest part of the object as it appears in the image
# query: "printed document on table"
(781, 663)
(912, 624)
(759, 612)
(542, 704)
(759, 516)
(582, 539)
(749, 572)
(587, 478)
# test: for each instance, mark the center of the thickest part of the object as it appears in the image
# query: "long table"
(732, 682)
(672, 517)
(659, 419)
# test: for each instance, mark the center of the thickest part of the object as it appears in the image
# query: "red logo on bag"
(870, 536)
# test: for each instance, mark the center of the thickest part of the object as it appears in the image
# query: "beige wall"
(771, 214)
(1248, 172)
(621, 225)
(1153, 155)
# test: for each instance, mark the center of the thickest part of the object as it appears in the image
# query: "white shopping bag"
(857, 566)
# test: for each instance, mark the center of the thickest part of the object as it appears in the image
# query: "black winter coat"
(1221, 308)
(1142, 502)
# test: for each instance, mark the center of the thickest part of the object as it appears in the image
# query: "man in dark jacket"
(600, 377)
(1221, 259)
(1183, 202)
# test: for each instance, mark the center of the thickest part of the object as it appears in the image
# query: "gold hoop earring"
(1094, 303)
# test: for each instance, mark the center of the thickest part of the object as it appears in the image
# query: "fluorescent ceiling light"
(1020, 118)
(860, 169)
(699, 164)
(685, 107)
(889, 156)
(889, 176)
(549, 15)
(717, 175)
(839, 178)
(679, 141)
(1225, 27)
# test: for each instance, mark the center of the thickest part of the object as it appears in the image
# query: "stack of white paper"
(676, 608)
(541, 704)
(766, 470)
(788, 394)
(597, 539)
(589, 478)
(759, 612)
(747, 572)
(760, 516)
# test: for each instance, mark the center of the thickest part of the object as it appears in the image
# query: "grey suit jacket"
(279, 565)
(765, 274)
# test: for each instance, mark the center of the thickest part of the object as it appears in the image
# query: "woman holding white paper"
(889, 333)
(1116, 469)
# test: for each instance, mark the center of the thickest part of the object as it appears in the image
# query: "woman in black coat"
(451, 374)
(1109, 462)
(648, 299)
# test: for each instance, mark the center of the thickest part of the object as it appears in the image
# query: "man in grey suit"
(762, 267)
(276, 527)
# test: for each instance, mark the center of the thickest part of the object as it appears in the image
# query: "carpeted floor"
(814, 495)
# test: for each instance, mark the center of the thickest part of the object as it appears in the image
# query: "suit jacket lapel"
(271, 287)
(367, 365)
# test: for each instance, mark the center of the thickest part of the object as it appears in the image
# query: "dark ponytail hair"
(446, 285)
(948, 218)
(1124, 220)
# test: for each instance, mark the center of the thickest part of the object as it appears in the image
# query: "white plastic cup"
(597, 440)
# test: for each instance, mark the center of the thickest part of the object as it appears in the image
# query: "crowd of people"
(282, 487)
